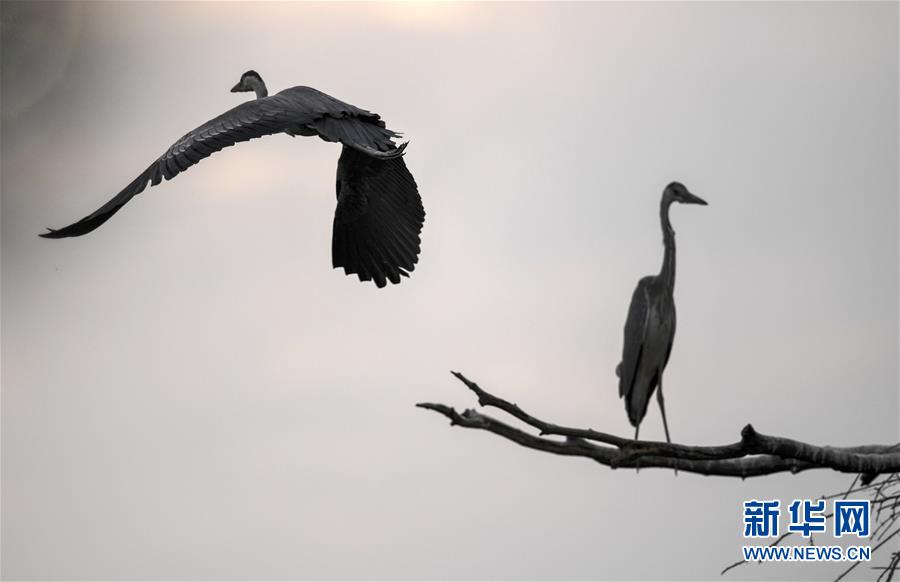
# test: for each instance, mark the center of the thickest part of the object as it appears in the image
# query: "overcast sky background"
(192, 392)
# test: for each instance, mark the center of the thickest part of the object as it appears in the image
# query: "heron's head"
(251, 81)
(676, 192)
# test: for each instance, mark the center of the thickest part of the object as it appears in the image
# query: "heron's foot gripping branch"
(754, 455)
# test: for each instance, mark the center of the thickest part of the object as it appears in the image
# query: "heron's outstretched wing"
(635, 332)
(378, 218)
(337, 121)
(296, 111)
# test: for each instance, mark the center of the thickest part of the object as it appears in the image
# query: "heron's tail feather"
(638, 399)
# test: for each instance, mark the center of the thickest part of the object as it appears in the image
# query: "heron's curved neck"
(258, 86)
(667, 272)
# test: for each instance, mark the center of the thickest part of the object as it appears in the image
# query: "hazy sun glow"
(424, 13)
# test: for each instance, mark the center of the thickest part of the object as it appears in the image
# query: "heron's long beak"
(237, 88)
(691, 199)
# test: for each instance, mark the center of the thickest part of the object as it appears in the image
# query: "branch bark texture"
(754, 455)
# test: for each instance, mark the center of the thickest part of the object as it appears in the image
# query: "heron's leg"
(662, 407)
(637, 462)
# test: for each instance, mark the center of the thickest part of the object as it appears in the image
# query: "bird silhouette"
(650, 327)
(379, 214)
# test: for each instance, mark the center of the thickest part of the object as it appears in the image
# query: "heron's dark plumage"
(635, 327)
(378, 219)
(380, 242)
(649, 335)
(650, 326)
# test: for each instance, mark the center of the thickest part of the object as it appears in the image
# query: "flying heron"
(650, 327)
(379, 212)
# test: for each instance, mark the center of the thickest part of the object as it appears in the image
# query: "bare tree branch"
(754, 455)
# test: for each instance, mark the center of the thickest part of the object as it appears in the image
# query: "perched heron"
(650, 327)
(379, 211)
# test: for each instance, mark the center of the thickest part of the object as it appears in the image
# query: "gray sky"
(192, 392)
